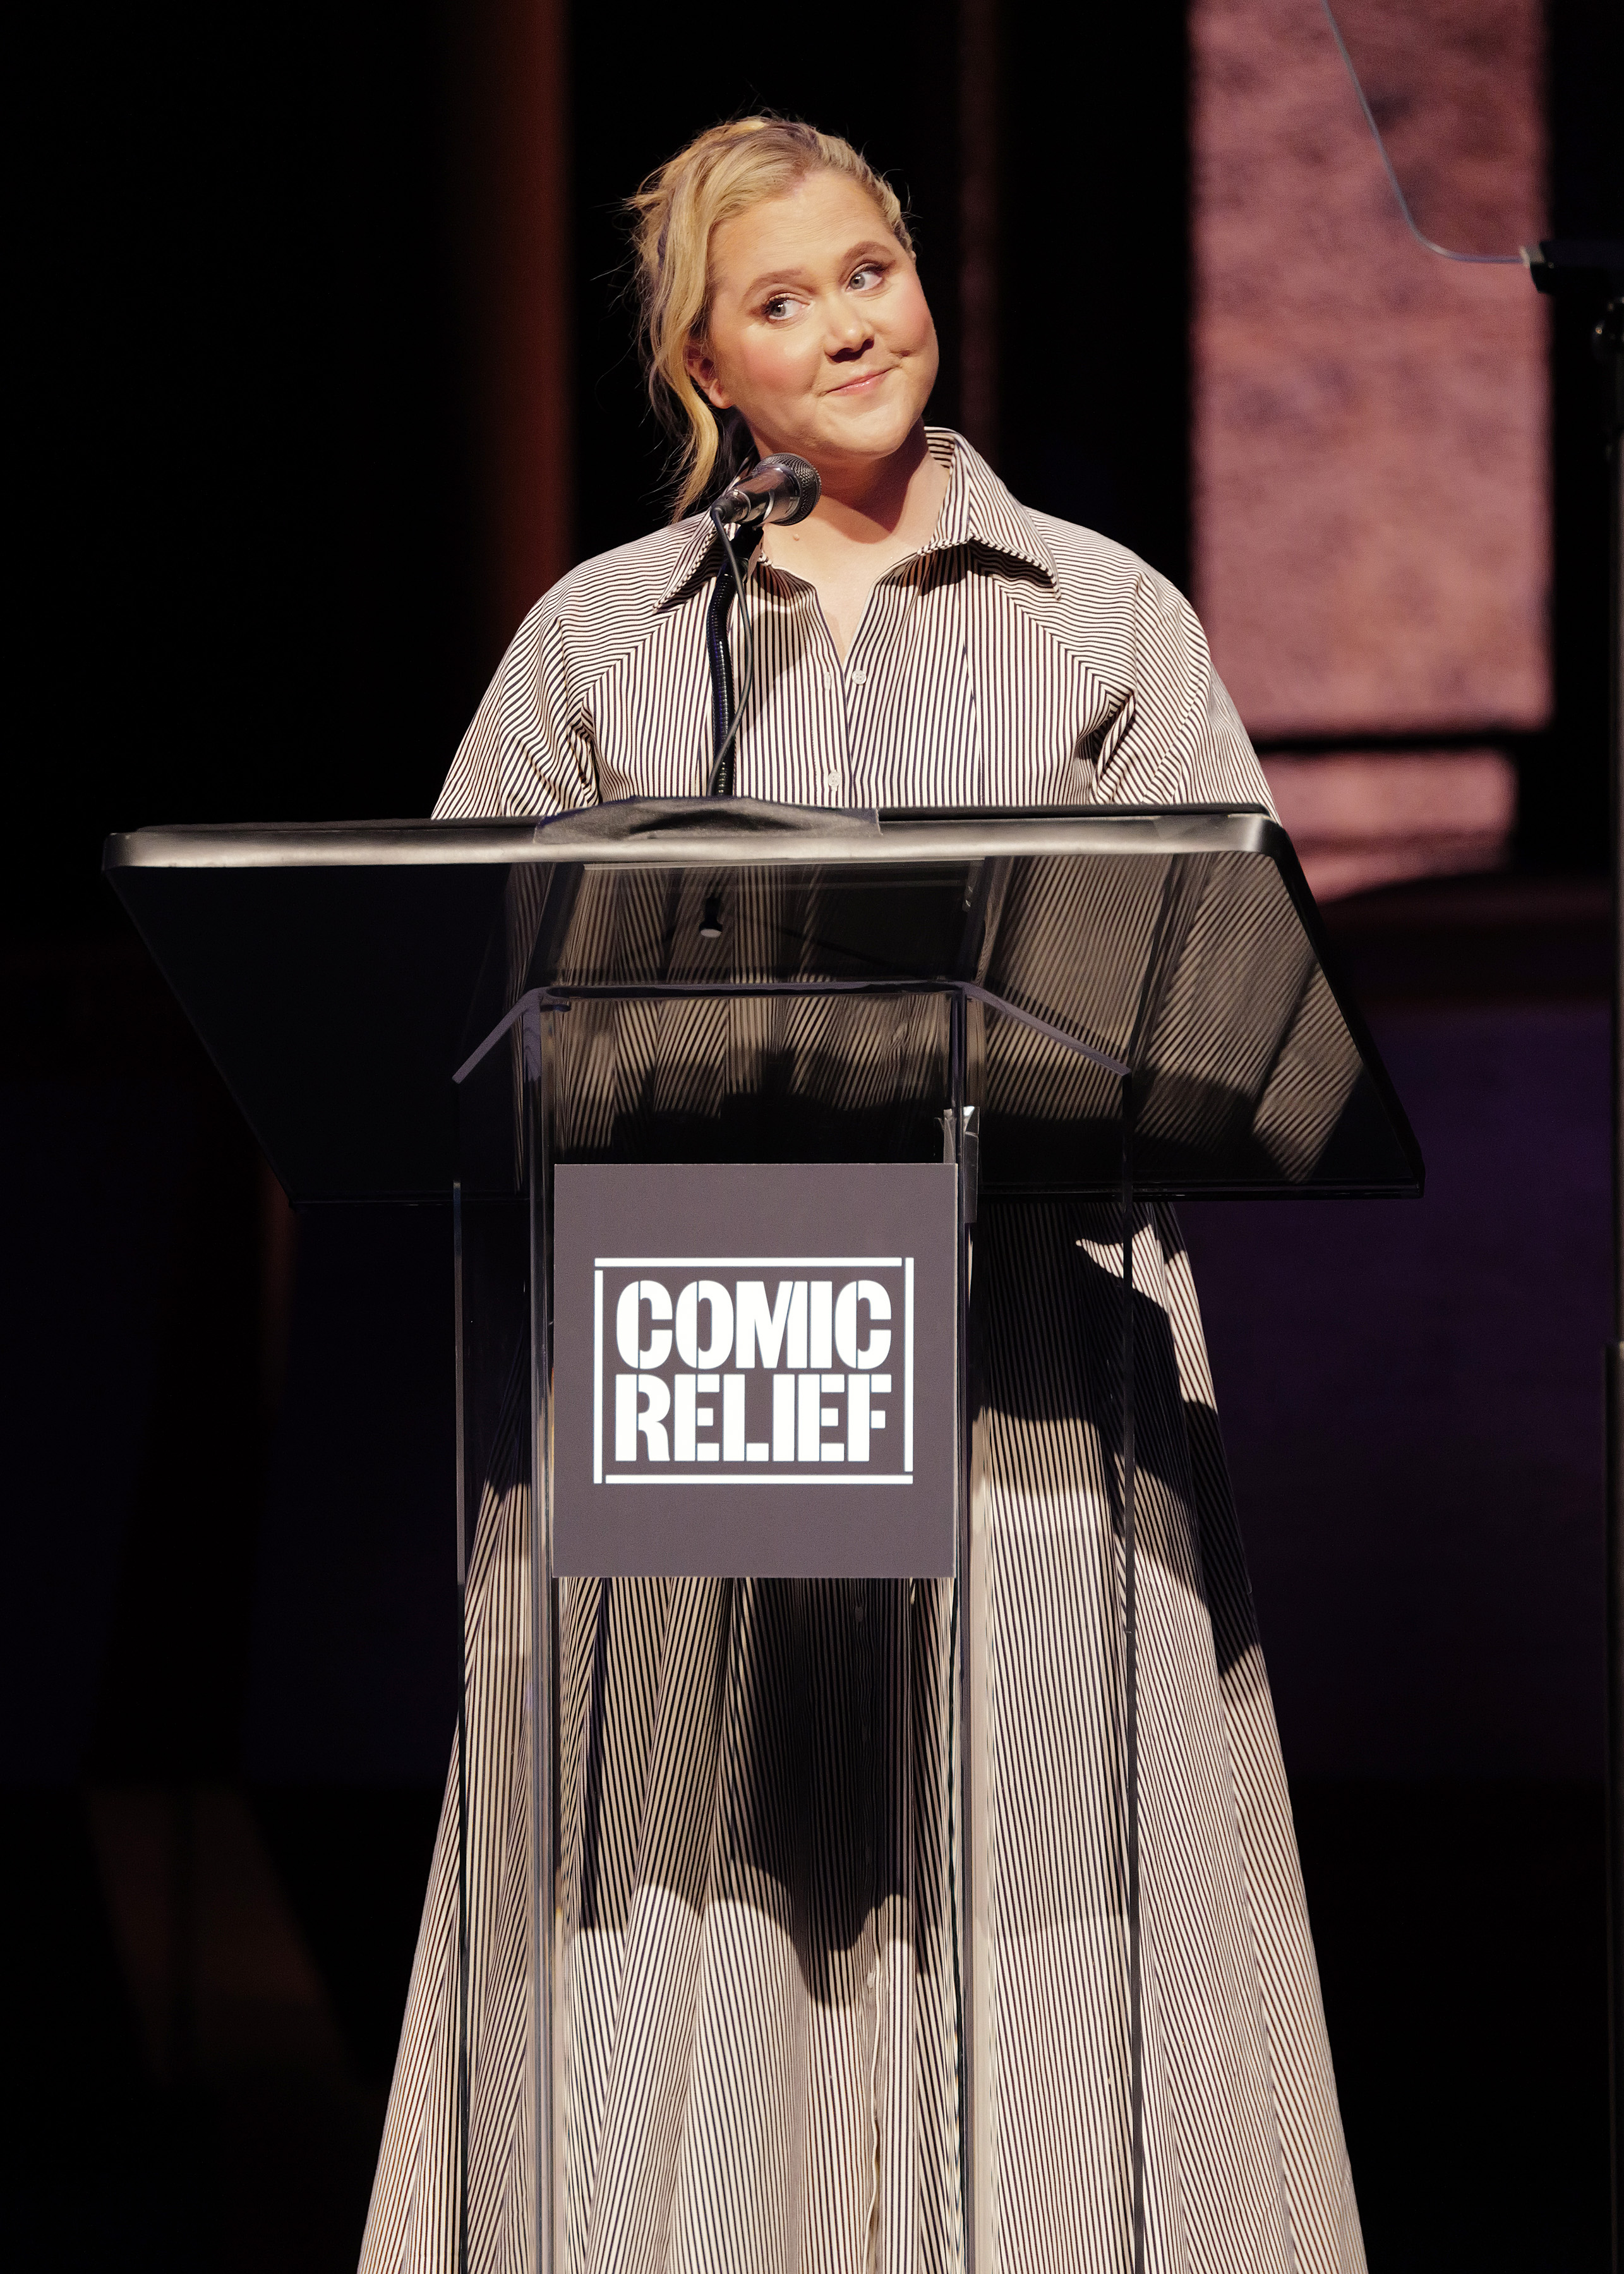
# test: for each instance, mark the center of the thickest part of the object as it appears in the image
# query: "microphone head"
(800, 493)
(782, 488)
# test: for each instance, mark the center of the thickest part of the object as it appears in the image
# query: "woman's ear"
(701, 371)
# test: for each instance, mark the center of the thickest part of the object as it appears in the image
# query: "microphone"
(782, 488)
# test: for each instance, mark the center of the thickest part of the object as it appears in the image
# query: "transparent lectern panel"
(491, 1244)
(338, 977)
(665, 1054)
(798, 1010)
(1195, 970)
(500, 1830)
(706, 926)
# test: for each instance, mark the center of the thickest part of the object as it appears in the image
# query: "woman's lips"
(867, 378)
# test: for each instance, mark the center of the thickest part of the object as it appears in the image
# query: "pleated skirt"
(761, 2065)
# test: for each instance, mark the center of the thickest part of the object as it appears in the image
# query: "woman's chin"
(860, 430)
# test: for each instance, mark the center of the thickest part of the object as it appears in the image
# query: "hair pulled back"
(722, 172)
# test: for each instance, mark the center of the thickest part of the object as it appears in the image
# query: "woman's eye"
(870, 272)
(776, 309)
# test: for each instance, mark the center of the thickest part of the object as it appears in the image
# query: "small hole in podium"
(710, 922)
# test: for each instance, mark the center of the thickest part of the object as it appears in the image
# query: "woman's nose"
(848, 333)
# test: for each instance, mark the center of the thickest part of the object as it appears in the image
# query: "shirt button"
(833, 778)
(858, 676)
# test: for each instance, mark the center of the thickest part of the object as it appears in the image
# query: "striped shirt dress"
(760, 2061)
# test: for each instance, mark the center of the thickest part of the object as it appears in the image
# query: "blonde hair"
(722, 172)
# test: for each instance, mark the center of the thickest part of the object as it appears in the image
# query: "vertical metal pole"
(1610, 345)
(462, 1729)
(971, 2112)
(1130, 1687)
(1616, 1777)
(544, 1671)
(1596, 267)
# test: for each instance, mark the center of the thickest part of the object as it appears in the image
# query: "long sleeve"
(529, 748)
(1182, 742)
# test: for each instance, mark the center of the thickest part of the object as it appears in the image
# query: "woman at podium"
(761, 2073)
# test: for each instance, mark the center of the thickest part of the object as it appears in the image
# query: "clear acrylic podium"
(1117, 1004)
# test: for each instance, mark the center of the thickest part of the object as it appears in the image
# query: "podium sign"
(784, 1337)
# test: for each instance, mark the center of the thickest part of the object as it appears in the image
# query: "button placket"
(876, 629)
(837, 773)
(836, 762)
(822, 656)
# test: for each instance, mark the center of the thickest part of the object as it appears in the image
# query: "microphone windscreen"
(807, 488)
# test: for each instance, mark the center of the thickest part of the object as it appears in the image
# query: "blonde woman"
(761, 2067)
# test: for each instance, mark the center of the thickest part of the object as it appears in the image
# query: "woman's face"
(819, 333)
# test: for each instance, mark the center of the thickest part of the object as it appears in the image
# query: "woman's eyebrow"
(774, 276)
(848, 260)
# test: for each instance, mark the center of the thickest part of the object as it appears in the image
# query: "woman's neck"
(872, 514)
(867, 499)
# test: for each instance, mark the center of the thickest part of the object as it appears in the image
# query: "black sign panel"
(755, 1370)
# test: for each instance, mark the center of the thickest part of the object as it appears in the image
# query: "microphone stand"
(725, 713)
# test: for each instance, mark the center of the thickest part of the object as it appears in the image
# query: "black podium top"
(340, 976)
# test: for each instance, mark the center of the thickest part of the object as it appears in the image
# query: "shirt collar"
(978, 510)
(699, 542)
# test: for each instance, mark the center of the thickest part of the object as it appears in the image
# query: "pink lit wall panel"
(1371, 539)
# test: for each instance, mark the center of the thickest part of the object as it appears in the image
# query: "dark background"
(257, 579)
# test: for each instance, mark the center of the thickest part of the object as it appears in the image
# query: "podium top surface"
(651, 833)
(340, 974)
